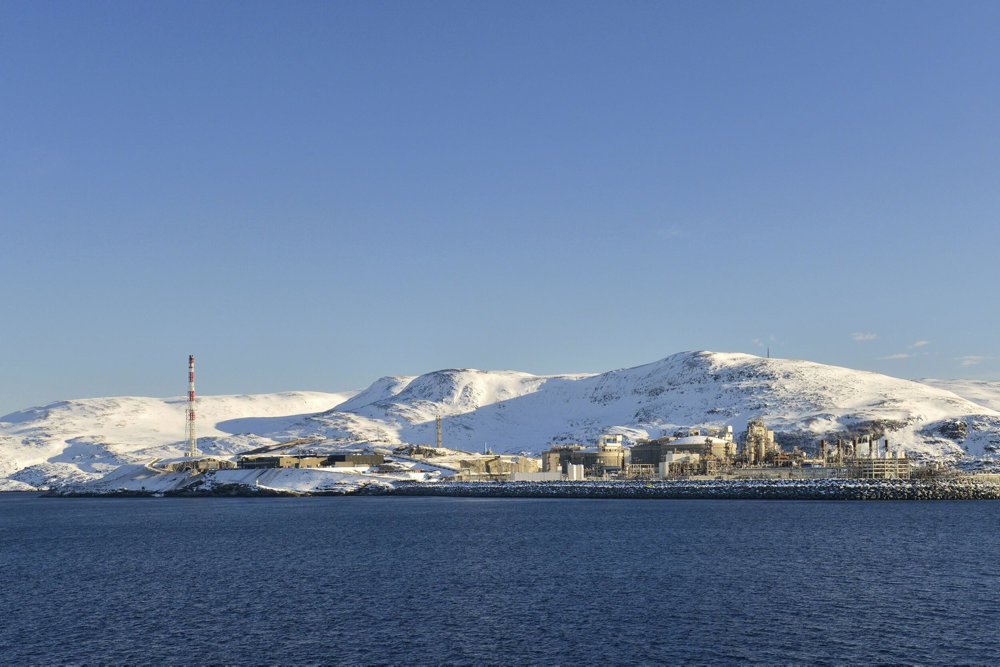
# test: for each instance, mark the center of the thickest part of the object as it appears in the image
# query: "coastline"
(940, 489)
(720, 490)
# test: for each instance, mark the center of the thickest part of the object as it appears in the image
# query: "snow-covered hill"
(801, 400)
(84, 439)
(509, 411)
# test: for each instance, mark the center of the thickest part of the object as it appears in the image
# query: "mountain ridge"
(513, 411)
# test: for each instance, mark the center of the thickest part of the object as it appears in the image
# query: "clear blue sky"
(309, 195)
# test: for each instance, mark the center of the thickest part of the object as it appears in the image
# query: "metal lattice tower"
(190, 432)
(437, 426)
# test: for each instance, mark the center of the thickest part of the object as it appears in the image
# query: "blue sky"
(309, 195)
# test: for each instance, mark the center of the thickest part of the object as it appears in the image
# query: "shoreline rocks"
(732, 490)
(845, 489)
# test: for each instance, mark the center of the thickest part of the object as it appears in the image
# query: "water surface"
(456, 580)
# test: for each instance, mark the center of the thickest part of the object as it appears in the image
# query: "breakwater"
(943, 489)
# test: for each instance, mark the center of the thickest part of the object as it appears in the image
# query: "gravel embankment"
(950, 489)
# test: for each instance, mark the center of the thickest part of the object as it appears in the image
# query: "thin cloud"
(920, 343)
(863, 336)
(972, 359)
(671, 232)
(901, 355)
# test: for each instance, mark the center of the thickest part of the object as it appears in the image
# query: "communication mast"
(189, 429)
(437, 424)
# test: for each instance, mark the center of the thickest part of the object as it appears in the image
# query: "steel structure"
(190, 432)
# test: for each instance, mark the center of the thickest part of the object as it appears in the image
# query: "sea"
(469, 581)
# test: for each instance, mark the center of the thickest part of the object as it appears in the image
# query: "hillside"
(801, 400)
(509, 411)
(85, 438)
(981, 392)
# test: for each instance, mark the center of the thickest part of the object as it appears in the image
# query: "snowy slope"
(407, 412)
(986, 394)
(802, 401)
(510, 412)
(137, 477)
(86, 438)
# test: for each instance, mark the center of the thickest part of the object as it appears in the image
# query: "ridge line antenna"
(191, 437)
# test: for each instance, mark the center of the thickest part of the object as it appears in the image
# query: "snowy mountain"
(510, 411)
(802, 401)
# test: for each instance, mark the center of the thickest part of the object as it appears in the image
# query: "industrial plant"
(693, 453)
(712, 453)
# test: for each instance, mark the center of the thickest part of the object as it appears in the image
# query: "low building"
(203, 464)
(339, 460)
(311, 461)
(353, 460)
(496, 467)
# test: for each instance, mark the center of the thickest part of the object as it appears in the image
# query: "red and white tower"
(191, 437)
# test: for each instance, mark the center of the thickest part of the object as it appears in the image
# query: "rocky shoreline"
(939, 489)
(948, 489)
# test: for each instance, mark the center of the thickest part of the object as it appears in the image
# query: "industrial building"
(556, 457)
(342, 460)
(759, 445)
(494, 468)
(281, 461)
(202, 464)
(353, 460)
(608, 458)
(651, 452)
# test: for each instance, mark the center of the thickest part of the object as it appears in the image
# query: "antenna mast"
(191, 437)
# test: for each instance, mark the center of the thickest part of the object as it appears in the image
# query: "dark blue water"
(442, 580)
